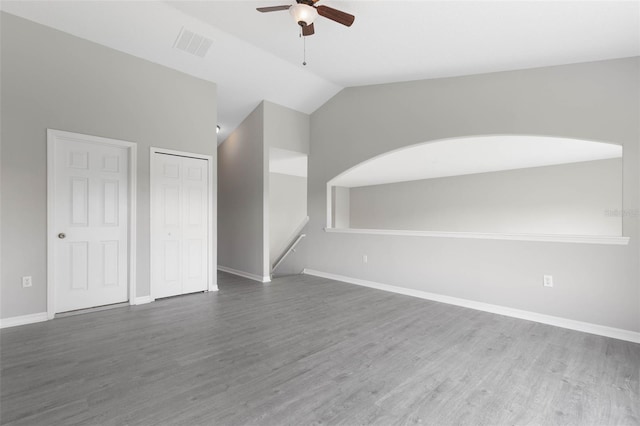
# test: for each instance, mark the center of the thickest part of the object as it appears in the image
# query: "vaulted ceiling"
(258, 56)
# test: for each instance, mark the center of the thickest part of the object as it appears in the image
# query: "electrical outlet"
(364, 258)
(547, 280)
(26, 282)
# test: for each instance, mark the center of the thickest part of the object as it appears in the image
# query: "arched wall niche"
(525, 187)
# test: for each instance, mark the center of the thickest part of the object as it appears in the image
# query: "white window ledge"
(580, 239)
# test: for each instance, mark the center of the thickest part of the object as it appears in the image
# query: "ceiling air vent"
(193, 43)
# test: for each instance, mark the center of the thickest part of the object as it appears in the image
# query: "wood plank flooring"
(309, 351)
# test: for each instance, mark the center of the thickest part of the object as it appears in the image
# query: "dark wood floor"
(304, 350)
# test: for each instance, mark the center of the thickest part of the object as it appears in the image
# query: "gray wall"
(287, 210)
(54, 80)
(243, 188)
(241, 203)
(341, 207)
(286, 128)
(569, 199)
(593, 101)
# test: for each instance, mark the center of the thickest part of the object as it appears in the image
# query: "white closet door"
(180, 227)
(195, 226)
(90, 222)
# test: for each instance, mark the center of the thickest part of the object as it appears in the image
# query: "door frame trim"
(212, 284)
(132, 150)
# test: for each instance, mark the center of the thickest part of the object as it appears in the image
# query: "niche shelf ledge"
(579, 239)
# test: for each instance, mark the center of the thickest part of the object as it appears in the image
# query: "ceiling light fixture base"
(303, 14)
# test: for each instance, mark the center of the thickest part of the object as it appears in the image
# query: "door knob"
(61, 235)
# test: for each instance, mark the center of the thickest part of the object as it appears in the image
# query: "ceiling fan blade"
(308, 30)
(336, 15)
(273, 8)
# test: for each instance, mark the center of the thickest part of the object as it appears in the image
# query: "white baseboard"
(142, 300)
(254, 277)
(601, 330)
(23, 319)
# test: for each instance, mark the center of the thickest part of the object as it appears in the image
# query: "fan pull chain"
(304, 49)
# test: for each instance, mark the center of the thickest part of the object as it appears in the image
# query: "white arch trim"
(471, 155)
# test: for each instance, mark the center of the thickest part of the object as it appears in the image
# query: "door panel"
(194, 206)
(110, 202)
(171, 206)
(79, 265)
(180, 227)
(79, 201)
(91, 210)
(194, 259)
(170, 282)
(110, 264)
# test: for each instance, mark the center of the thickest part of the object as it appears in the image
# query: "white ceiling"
(465, 156)
(407, 40)
(258, 56)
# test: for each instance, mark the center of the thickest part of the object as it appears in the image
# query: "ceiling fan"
(305, 11)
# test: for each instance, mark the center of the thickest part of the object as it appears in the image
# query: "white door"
(90, 223)
(179, 225)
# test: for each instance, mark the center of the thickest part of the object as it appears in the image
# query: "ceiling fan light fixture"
(303, 13)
